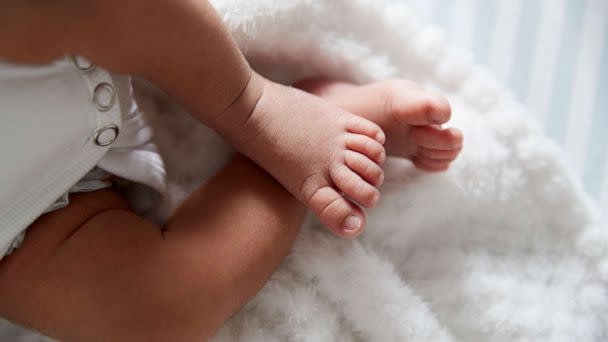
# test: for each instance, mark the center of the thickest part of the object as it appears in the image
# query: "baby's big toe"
(341, 216)
(413, 105)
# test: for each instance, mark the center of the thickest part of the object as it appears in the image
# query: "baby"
(323, 155)
(324, 148)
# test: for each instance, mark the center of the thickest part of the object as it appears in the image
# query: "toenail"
(381, 137)
(436, 118)
(381, 178)
(382, 157)
(375, 199)
(352, 223)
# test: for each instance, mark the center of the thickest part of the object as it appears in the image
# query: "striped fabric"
(554, 55)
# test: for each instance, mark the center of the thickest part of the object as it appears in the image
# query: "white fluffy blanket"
(503, 247)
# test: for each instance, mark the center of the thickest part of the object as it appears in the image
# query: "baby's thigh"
(81, 270)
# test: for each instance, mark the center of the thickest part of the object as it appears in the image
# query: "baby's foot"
(325, 156)
(410, 116)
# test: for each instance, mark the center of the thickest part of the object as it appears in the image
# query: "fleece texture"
(504, 246)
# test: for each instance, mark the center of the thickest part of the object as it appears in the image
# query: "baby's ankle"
(231, 122)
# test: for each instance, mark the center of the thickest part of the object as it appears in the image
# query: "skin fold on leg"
(94, 271)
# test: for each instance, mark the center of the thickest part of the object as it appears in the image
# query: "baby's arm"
(180, 45)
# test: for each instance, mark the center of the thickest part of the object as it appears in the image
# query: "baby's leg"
(94, 271)
(409, 115)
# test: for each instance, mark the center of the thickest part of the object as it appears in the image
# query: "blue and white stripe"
(554, 55)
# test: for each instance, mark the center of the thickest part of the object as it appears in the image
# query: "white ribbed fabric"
(133, 155)
(49, 137)
(554, 55)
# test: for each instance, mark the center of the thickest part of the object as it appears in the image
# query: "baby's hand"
(410, 116)
(325, 156)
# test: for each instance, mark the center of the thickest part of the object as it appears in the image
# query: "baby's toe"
(365, 127)
(354, 186)
(437, 138)
(429, 164)
(446, 155)
(414, 105)
(341, 216)
(365, 167)
(366, 146)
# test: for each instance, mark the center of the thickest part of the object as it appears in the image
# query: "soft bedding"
(503, 247)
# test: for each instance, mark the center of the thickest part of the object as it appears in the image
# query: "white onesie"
(59, 121)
